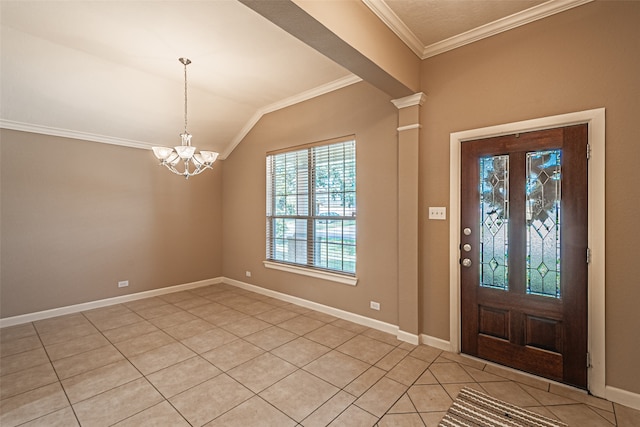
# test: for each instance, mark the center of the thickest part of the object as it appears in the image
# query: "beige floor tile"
(194, 301)
(209, 340)
(162, 414)
(365, 381)
(301, 325)
(330, 335)
(86, 361)
(22, 361)
(385, 337)
(432, 419)
(337, 368)
(404, 405)
(627, 417)
(174, 319)
(253, 412)
(76, 346)
(246, 326)
(454, 389)
(609, 416)
(354, 417)
(366, 349)
(19, 345)
(11, 333)
(449, 373)
(27, 379)
(189, 329)
(53, 324)
(329, 410)
(520, 377)
(116, 321)
(482, 376)
(510, 392)
(300, 351)
(299, 394)
(261, 372)
(117, 404)
(175, 297)
(68, 333)
(222, 318)
(546, 398)
(270, 338)
(209, 400)
(255, 308)
(580, 396)
(578, 415)
(408, 370)
(182, 376)
(60, 418)
(99, 380)
(430, 398)
(392, 359)
(143, 343)
(161, 357)
(426, 353)
(207, 309)
(32, 405)
(349, 326)
(145, 303)
(277, 315)
(323, 317)
(230, 355)
(463, 360)
(401, 420)
(124, 333)
(381, 397)
(427, 378)
(158, 311)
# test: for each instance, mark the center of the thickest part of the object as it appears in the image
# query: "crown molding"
(66, 133)
(287, 102)
(551, 7)
(389, 17)
(410, 101)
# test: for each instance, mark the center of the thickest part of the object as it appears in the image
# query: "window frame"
(310, 217)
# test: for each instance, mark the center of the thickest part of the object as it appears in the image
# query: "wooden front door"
(524, 252)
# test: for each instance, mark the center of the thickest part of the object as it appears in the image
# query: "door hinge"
(588, 151)
(588, 360)
(588, 255)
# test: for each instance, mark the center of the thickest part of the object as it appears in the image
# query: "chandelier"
(183, 159)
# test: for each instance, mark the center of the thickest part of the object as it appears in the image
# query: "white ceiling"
(108, 71)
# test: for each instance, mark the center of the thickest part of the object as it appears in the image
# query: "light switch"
(438, 213)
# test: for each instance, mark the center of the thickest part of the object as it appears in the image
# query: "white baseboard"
(623, 397)
(341, 314)
(61, 311)
(435, 342)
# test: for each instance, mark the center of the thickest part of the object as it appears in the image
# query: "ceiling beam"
(350, 34)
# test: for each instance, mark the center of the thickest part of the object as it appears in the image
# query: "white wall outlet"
(123, 284)
(437, 213)
(374, 305)
(247, 273)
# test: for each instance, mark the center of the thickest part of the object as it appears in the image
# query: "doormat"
(474, 409)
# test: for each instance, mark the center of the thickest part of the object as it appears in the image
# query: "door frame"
(595, 229)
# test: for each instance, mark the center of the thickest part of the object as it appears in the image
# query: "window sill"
(318, 274)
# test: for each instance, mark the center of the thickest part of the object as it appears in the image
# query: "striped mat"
(474, 409)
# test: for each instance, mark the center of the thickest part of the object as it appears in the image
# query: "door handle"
(466, 262)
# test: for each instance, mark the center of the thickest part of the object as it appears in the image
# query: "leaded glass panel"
(494, 222)
(543, 194)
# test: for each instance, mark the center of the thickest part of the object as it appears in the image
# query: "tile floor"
(224, 356)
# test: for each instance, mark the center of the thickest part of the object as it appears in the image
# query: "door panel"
(524, 277)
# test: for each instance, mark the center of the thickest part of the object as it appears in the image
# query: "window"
(311, 206)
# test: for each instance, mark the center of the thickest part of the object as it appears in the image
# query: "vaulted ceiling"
(108, 71)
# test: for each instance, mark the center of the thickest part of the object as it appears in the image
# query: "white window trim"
(311, 272)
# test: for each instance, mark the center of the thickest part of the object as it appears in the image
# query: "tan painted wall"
(77, 217)
(358, 109)
(588, 57)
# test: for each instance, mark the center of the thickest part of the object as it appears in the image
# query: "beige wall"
(77, 217)
(358, 109)
(588, 57)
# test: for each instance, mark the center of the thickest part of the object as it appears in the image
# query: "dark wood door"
(524, 252)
